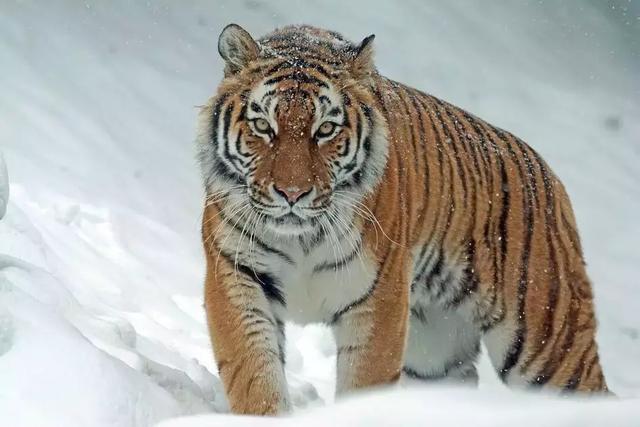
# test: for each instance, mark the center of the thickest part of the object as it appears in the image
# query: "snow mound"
(437, 407)
(55, 372)
(62, 363)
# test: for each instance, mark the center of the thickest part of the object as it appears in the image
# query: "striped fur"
(411, 227)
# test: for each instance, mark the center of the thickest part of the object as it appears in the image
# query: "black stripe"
(298, 77)
(435, 271)
(233, 159)
(349, 349)
(281, 338)
(334, 112)
(420, 112)
(239, 148)
(267, 282)
(576, 376)
(422, 261)
(514, 353)
(268, 94)
(215, 118)
(489, 317)
(218, 167)
(412, 373)
(469, 282)
(353, 163)
(451, 364)
(338, 314)
(439, 150)
(444, 283)
(380, 98)
(489, 146)
(334, 265)
(358, 175)
(531, 174)
(556, 355)
(593, 362)
(453, 144)
(483, 141)
(418, 312)
(255, 107)
(345, 147)
(409, 124)
(503, 235)
(463, 135)
(554, 284)
(298, 63)
(257, 314)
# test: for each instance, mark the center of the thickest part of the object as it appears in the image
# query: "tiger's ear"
(237, 48)
(362, 65)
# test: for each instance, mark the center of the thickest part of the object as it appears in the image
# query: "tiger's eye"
(325, 129)
(262, 125)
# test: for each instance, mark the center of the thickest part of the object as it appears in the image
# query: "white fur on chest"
(315, 296)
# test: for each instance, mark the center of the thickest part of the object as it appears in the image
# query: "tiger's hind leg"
(562, 356)
(441, 346)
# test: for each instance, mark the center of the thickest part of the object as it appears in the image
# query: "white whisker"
(359, 205)
(244, 210)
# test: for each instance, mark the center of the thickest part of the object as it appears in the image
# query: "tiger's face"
(291, 143)
(299, 147)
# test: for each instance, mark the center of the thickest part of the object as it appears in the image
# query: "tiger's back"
(412, 228)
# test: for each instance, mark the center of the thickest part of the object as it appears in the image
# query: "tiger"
(411, 228)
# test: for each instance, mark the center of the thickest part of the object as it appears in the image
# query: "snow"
(437, 407)
(4, 187)
(101, 270)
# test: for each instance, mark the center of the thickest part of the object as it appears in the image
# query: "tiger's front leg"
(244, 333)
(371, 332)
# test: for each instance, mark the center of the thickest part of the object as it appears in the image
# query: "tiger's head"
(293, 139)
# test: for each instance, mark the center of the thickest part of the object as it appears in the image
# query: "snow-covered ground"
(101, 269)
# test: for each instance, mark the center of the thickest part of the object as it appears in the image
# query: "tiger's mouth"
(294, 218)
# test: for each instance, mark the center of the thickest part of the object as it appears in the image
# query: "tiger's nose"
(291, 194)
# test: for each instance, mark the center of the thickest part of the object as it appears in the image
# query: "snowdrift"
(442, 408)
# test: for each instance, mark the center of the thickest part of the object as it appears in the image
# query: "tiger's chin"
(290, 225)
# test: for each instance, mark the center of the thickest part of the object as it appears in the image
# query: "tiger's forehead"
(273, 98)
